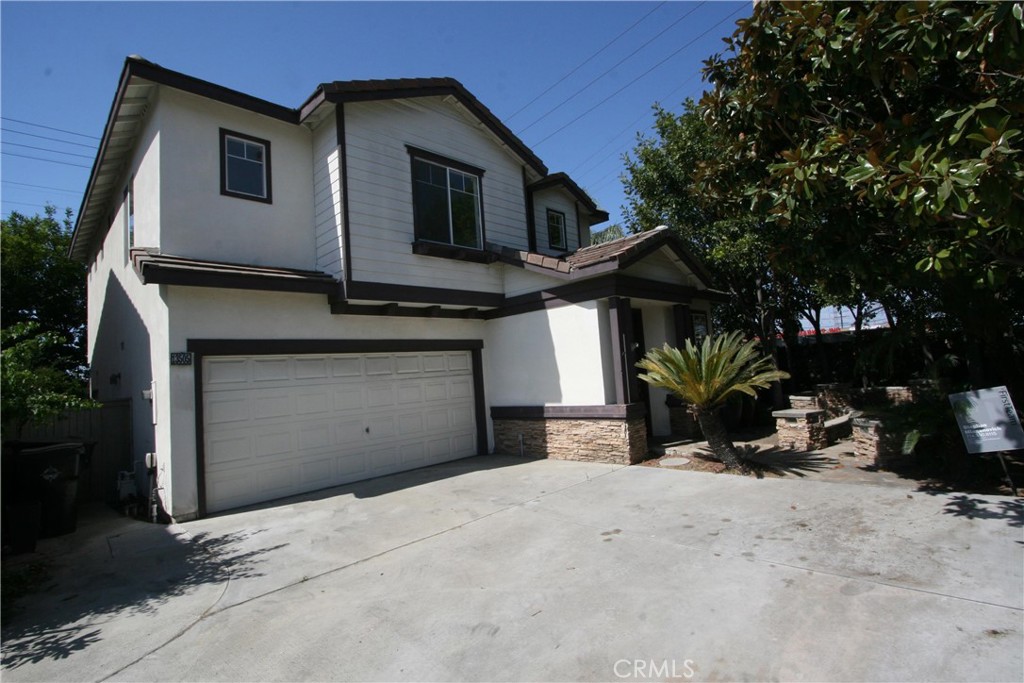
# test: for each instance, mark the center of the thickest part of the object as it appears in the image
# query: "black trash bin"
(54, 469)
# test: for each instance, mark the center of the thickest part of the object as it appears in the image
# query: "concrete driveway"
(497, 568)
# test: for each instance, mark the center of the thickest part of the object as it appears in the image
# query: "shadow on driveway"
(114, 568)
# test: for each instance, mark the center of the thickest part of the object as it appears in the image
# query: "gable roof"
(563, 180)
(407, 88)
(616, 255)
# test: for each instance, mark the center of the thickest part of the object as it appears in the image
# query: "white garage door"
(279, 425)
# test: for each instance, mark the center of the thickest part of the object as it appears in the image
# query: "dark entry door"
(638, 351)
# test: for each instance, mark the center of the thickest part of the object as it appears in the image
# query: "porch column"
(621, 323)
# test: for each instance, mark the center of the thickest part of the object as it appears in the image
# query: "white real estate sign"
(988, 421)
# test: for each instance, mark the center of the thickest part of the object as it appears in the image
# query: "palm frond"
(706, 376)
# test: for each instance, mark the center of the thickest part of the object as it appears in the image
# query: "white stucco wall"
(548, 357)
(127, 321)
(196, 220)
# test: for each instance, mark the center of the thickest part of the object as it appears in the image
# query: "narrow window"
(244, 166)
(129, 207)
(446, 204)
(556, 229)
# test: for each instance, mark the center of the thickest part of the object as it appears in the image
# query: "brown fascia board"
(563, 180)
(407, 88)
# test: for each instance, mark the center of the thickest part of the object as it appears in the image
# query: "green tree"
(612, 232)
(706, 376)
(886, 137)
(42, 285)
(42, 310)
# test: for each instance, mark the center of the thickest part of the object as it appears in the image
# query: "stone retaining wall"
(801, 430)
(873, 441)
(617, 440)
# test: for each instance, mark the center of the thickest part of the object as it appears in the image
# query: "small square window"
(556, 229)
(244, 166)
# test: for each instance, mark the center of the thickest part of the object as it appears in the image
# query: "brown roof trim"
(165, 269)
(563, 180)
(142, 68)
(407, 88)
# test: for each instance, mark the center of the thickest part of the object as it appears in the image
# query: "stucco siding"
(380, 191)
(198, 221)
(548, 357)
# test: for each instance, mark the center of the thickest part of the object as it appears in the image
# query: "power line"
(606, 72)
(39, 125)
(47, 137)
(619, 134)
(590, 110)
(585, 62)
(52, 161)
(40, 187)
(47, 149)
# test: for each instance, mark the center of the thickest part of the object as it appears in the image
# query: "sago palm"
(706, 376)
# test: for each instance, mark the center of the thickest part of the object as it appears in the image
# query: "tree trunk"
(718, 438)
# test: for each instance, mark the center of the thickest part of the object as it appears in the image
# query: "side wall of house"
(196, 220)
(380, 191)
(127, 321)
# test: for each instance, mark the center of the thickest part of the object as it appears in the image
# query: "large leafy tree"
(42, 311)
(885, 137)
(706, 376)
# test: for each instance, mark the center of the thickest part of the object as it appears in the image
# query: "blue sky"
(60, 64)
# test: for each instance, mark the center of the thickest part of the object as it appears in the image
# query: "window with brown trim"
(244, 166)
(556, 230)
(447, 205)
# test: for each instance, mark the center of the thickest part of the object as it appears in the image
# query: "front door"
(638, 351)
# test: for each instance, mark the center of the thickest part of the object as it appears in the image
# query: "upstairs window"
(556, 230)
(446, 201)
(244, 166)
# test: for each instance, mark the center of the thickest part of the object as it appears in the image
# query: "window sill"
(452, 252)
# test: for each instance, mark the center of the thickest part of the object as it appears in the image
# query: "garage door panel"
(346, 367)
(311, 368)
(227, 410)
(270, 369)
(314, 435)
(378, 365)
(349, 398)
(281, 425)
(275, 444)
(269, 406)
(228, 449)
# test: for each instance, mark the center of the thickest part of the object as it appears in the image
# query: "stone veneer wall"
(621, 441)
(801, 430)
(839, 399)
(873, 441)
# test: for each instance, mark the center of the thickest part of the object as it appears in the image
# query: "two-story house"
(382, 278)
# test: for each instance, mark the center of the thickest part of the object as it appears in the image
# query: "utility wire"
(47, 149)
(47, 137)
(620, 133)
(606, 72)
(585, 62)
(26, 184)
(591, 110)
(52, 161)
(39, 125)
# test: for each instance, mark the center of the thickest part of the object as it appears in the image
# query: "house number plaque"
(181, 358)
